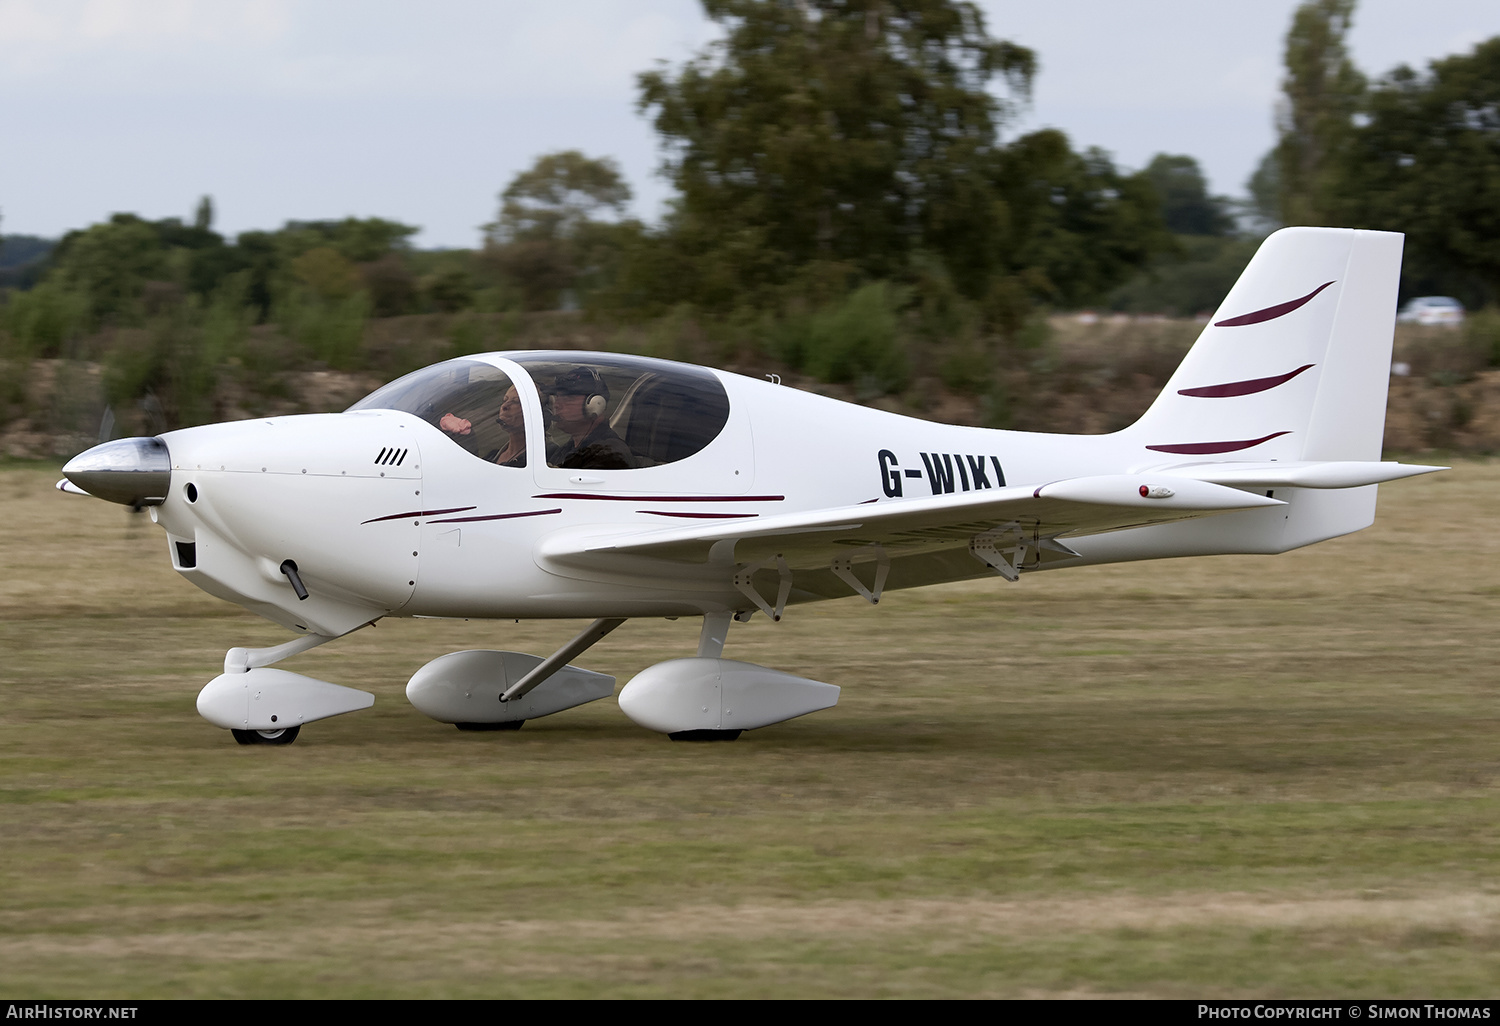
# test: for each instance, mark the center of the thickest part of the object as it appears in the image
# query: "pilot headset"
(596, 399)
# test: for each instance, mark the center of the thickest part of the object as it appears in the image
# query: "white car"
(1432, 310)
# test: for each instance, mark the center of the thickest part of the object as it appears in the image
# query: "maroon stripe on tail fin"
(1250, 387)
(1270, 313)
(1208, 448)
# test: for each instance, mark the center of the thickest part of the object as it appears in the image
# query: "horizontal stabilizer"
(1299, 474)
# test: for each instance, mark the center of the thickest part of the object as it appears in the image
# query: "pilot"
(579, 399)
(510, 417)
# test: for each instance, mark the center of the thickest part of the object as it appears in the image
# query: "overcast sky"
(309, 109)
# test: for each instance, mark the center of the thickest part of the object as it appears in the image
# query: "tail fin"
(1295, 365)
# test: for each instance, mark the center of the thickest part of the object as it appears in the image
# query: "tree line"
(846, 198)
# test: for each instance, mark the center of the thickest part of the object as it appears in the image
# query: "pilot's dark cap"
(580, 381)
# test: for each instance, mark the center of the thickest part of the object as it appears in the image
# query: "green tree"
(127, 261)
(560, 226)
(1426, 162)
(352, 255)
(1323, 94)
(1195, 281)
(110, 263)
(1262, 206)
(1076, 226)
(360, 240)
(326, 273)
(22, 260)
(849, 134)
(1197, 271)
(556, 196)
(1186, 206)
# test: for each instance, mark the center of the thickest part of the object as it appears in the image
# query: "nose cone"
(130, 471)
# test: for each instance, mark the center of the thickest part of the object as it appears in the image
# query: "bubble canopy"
(461, 398)
(604, 411)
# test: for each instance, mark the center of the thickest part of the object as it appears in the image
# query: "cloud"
(341, 49)
(73, 26)
(79, 45)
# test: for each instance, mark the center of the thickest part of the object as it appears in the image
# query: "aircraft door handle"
(585, 480)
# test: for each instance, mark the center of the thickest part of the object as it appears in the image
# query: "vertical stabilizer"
(1295, 364)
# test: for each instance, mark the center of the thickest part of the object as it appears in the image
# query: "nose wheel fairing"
(270, 700)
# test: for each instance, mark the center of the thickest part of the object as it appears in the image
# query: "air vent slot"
(391, 457)
(187, 555)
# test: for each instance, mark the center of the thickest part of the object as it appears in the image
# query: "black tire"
(507, 725)
(284, 736)
(704, 735)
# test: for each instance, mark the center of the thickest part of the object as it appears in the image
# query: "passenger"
(513, 420)
(579, 399)
(510, 417)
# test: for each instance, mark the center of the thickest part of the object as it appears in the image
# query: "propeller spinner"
(131, 471)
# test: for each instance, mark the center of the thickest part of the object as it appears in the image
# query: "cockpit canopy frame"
(661, 411)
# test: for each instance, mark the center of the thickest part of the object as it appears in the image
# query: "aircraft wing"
(808, 540)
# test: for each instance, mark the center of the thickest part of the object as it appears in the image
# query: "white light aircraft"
(564, 484)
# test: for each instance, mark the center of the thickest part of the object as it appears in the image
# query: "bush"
(42, 322)
(1482, 335)
(854, 339)
(331, 330)
(14, 379)
(449, 289)
(135, 364)
(391, 285)
(1193, 282)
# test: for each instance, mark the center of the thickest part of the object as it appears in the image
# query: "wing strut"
(843, 569)
(1003, 549)
(585, 640)
(744, 580)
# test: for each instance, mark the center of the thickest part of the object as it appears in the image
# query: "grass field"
(1218, 777)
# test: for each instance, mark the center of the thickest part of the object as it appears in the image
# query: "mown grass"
(1227, 776)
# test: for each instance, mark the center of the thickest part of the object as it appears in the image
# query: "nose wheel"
(284, 736)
